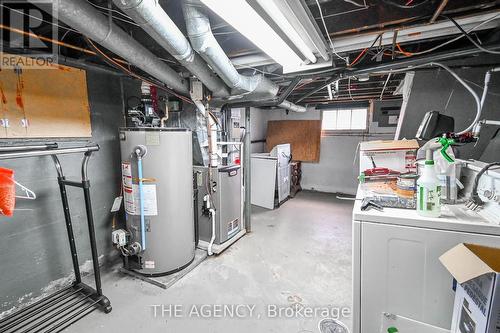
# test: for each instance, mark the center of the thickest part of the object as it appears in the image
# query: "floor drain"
(332, 326)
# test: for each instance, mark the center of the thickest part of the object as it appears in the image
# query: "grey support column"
(247, 169)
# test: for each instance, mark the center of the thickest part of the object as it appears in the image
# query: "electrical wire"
(408, 54)
(363, 53)
(456, 38)
(109, 9)
(261, 71)
(37, 18)
(458, 78)
(357, 4)
(346, 60)
(126, 19)
(407, 6)
(358, 57)
(466, 34)
(46, 39)
(137, 76)
(54, 41)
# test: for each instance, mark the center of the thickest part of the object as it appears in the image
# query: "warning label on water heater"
(132, 198)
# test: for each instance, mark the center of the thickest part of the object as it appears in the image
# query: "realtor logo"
(27, 29)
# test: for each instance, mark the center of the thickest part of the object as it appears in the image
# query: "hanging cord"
(346, 60)
(474, 197)
(466, 34)
(456, 38)
(459, 79)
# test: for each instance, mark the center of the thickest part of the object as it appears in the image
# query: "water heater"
(157, 180)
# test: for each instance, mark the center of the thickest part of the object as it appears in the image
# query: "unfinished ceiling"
(365, 33)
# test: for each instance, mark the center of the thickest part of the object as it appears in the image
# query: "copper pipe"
(438, 11)
(57, 42)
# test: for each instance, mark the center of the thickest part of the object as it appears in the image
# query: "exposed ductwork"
(256, 87)
(81, 16)
(153, 19)
(204, 42)
(292, 107)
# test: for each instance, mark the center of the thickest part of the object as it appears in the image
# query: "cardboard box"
(397, 155)
(477, 300)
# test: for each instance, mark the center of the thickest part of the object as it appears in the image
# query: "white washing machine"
(396, 267)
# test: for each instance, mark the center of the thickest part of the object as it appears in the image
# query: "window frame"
(346, 131)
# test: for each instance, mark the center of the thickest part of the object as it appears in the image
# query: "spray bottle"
(429, 189)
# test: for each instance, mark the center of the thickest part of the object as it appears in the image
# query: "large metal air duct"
(256, 87)
(204, 42)
(153, 19)
(81, 16)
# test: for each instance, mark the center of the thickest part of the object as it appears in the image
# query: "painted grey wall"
(34, 248)
(438, 90)
(338, 167)
(258, 127)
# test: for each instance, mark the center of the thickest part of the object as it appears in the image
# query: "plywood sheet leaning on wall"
(43, 103)
(303, 135)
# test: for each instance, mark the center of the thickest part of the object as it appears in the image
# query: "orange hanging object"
(7, 192)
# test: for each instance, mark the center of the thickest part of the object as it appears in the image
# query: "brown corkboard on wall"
(303, 135)
(48, 101)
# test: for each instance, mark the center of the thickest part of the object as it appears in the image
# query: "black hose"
(474, 195)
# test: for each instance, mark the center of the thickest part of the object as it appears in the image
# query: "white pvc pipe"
(212, 240)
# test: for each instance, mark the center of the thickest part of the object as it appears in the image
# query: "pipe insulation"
(81, 16)
(256, 87)
(154, 20)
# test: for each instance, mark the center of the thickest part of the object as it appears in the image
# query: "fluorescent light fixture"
(363, 78)
(279, 18)
(243, 18)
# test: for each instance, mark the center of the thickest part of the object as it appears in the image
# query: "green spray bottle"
(429, 191)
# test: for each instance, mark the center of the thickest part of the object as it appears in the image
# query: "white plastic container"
(429, 192)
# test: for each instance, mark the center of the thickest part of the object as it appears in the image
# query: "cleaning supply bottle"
(444, 161)
(429, 190)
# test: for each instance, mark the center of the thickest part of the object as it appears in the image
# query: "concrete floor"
(297, 257)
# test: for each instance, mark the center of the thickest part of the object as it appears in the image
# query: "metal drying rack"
(58, 311)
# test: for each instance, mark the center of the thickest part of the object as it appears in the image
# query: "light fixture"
(240, 15)
(363, 78)
(279, 18)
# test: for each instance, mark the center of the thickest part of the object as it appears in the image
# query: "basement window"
(344, 120)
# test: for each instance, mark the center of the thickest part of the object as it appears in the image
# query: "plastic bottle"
(446, 172)
(429, 192)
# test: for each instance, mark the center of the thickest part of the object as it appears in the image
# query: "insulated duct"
(204, 42)
(81, 16)
(155, 21)
(256, 87)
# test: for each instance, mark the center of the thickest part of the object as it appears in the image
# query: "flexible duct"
(292, 107)
(81, 16)
(204, 42)
(256, 87)
(155, 21)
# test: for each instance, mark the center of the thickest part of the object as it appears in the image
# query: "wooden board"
(303, 135)
(44, 103)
